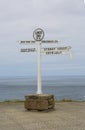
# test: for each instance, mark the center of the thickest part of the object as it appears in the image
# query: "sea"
(62, 87)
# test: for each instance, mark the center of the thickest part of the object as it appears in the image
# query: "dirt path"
(66, 116)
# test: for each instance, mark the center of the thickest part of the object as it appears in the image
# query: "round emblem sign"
(38, 34)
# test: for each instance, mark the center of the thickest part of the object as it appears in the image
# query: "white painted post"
(39, 82)
(38, 36)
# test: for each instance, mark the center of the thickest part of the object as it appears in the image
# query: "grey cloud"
(62, 18)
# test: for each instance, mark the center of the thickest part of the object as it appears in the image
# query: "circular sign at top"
(38, 34)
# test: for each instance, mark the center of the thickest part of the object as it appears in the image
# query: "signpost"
(38, 36)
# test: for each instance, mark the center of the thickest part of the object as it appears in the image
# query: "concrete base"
(39, 102)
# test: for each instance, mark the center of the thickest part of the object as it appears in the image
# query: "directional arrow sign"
(44, 41)
(51, 50)
(67, 48)
(28, 49)
(50, 41)
(26, 42)
(54, 52)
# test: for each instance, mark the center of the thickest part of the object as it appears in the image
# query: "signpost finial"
(38, 34)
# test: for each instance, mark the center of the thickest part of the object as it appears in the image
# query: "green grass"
(13, 101)
(22, 101)
(67, 100)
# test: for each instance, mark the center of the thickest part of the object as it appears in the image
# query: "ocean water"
(72, 87)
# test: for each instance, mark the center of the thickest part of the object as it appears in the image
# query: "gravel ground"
(65, 116)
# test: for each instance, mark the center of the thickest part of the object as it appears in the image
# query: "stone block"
(39, 102)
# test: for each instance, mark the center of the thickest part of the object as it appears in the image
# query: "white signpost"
(38, 35)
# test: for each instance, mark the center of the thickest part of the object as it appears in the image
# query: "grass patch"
(13, 101)
(22, 101)
(66, 100)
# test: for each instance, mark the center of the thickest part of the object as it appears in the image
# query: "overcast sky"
(60, 19)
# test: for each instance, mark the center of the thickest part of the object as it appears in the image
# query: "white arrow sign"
(26, 42)
(67, 48)
(44, 41)
(28, 49)
(51, 50)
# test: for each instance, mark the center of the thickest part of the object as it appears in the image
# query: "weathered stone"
(39, 102)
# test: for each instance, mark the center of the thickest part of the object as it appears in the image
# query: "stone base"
(39, 102)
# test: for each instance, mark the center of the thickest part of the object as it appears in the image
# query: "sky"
(62, 20)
